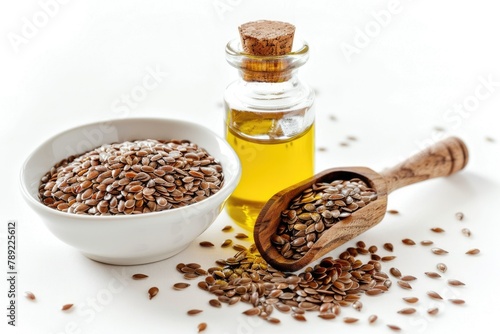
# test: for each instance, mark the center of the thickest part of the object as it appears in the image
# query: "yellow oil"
(268, 166)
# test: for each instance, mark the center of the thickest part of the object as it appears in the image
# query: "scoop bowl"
(441, 159)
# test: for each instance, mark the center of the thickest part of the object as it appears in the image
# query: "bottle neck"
(272, 69)
(266, 70)
(286, 95)
(268, 83)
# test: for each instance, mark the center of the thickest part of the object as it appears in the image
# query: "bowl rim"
(36, 203)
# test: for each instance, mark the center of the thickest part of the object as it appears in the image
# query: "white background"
(396, 75)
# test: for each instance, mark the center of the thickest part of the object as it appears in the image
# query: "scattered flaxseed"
(226, 243)
(66, 307)
(388, 247)
(408, 242)
(194, 311)
(330, 284)
(253, 311)
(181, 286)
(434, 295)
(433, 311)
(394, 327)
(411, 300)
(327, 316)
(441, 267)
(152, 292)
(395, 272)
(239, 248)
(206, 244)
(459, 216)
(473, 251)
(200, 272)
(273, 320)
(426, 242)
(214, 303)
(408, 310)
(360, 244)
(299, 317)
(466, 232)
(372, 249)
(387, 258)
(139, 276)
(457, 301)
(439, 251)
(357, 305)
(393, 212)
(193, 265)
(227, 228)
(432, 274)
(374, 292)
(283, 307)
(350, 320)
(192, 275)
(455, 282)
(404, 285)
(372, 318)
(362, 251)
(437, 229)
(241, 236)
(408, 278)
(202, 326)
(29, 295)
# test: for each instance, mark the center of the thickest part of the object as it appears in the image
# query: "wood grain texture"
(442, 159)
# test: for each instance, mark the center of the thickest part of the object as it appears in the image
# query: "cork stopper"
(267, 38)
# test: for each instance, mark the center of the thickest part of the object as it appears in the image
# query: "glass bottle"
(269, 121)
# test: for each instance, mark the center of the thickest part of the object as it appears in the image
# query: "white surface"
(167, 59)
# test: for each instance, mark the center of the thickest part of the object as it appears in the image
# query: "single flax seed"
(152, 292)
(227, 228)
(441, 267)
(407, 311)
(206, 244)
(473, 251)
(202, 326)
(388, 247)
(438, 251)
(408, 242)
(194, 312)
(139, 276)
(29, 295)
(66, 307)
(455, 282)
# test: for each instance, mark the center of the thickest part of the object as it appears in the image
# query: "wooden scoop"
(441, 159)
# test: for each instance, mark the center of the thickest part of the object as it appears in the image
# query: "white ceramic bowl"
(129, 239)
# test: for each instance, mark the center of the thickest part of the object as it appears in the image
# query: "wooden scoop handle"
(441, 159)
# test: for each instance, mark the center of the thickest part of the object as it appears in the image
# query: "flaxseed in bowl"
(130, 191)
